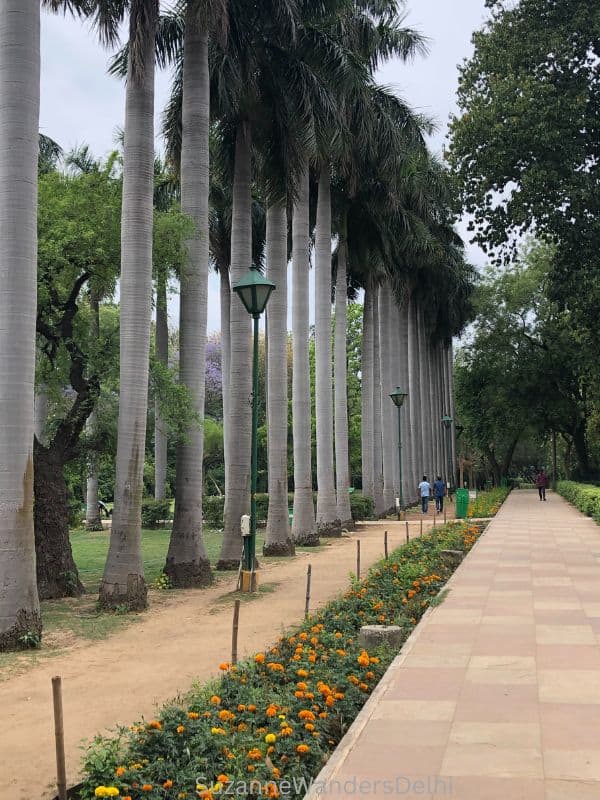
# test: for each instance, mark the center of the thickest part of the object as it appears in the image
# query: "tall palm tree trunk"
(161, 347)
(187, 563)
(414, 389)
(225, 302)
(408, 464)
(237, 499)
(303, 525)
(277, 537)
(377, 443)
(123, 580)
(92, 511)
(452, 412)
(389, 451)
(366, 394)
(342, 458)
(328, 522)
(19, 122)
(440, 406)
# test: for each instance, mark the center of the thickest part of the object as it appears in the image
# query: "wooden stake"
(59, 735)
(234, 632)
(385, 544)
(407, 533)
(434, 518)
(307, 601)
(445, 518)
(358, 559)
(421, 529)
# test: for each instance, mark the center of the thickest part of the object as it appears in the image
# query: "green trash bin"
(462, 503)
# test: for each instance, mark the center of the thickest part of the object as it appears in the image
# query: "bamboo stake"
(307, 601)
(59, 735)
(407, 533)
(358, 559)
(421, 529)
(385, 544)
(234, 632)
(445, 517)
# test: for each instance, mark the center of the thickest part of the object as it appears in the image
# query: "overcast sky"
(82, 104)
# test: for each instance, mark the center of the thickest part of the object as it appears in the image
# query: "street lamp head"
(254, 291)
(446, 421)
(398, 396)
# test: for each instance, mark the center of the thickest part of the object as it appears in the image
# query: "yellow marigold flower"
(341, 652)
(302, 748)
(218, 732)
(193, 715)
(180, 728)
(281, 716)
(270, 738)
(182, 796)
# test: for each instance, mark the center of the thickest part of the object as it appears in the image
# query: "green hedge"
(277, 716)
(583, 496)
(487, 504)
(213, 507)
(154, 512)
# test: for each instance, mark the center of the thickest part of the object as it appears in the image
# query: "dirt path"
(118, 680)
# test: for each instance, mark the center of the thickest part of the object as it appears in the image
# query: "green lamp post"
(398, 397)
(254, 291)
(447, 423)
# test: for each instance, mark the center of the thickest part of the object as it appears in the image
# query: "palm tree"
(161, 351)
(19, 112)
(303, 524)
(367, 393)
(387, 386)
(123, 580)
(342, 458)
(277, 537)
(187, 563)
(328, 522)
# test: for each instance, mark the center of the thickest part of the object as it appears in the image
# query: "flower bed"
(583, 496)
(487, 504)
(277, 717)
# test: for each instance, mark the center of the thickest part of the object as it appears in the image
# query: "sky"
(81, 104)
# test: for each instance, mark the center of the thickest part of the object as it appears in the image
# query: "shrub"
(76, 513)
(279, 715)
(583, 496)
(212, 510)
(362, 507)
(154, 512)
(488, 503)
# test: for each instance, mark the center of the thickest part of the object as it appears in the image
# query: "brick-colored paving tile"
(497, 696)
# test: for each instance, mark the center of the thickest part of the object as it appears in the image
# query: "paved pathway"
(496, 696)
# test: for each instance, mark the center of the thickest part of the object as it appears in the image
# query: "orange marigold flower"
(271, 790)
(341, 652)
(339, 695)
(207, 714)
(363, 687)
(147, 787)
(303, 636)
(302, 748)
(222, 778)
(287, 731)
(329, 700)
(314, 640)
(323, 715)
(168, 784)
(271, 710)
(309, 726)
(306, 715)
(251, 708)
(155, 725)
(224, 666)
(363, 659)
(255, 754)
(180, 728)
(338, 635)
(215, 700)
(242, 727)
(225, 715)
(312, 658)
(120, 771)
(299, 695)
(250, 767)
(260, 658)
(193, 715)
(275, 667)
(301, 685)
(369, 675)
(309, 695)
(374, 660)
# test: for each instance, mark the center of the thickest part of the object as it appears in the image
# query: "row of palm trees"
(282, 95)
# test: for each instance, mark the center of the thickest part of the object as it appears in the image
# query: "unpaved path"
(118, 680)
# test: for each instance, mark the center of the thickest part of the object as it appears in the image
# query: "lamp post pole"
(254, 292)
(398, 397)
(447, 423)
(250, 541)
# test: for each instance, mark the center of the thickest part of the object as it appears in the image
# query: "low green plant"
(30, 640)
(154, 512)
(488, 503)
(362, 506)
(584, 496)
(163, 582)
(279, 715)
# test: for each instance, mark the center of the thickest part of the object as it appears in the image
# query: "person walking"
(541, 481)
(439, 490)
(424, 492)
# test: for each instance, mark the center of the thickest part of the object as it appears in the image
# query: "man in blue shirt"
(439, 490)
(424, 491)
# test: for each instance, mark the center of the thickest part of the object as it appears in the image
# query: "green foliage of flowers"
(488, 503)
(583, 496)
(279, 715)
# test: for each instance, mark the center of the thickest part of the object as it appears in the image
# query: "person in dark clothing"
(541, 481)
(439, 490)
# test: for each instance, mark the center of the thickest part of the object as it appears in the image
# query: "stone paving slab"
(496, 695)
